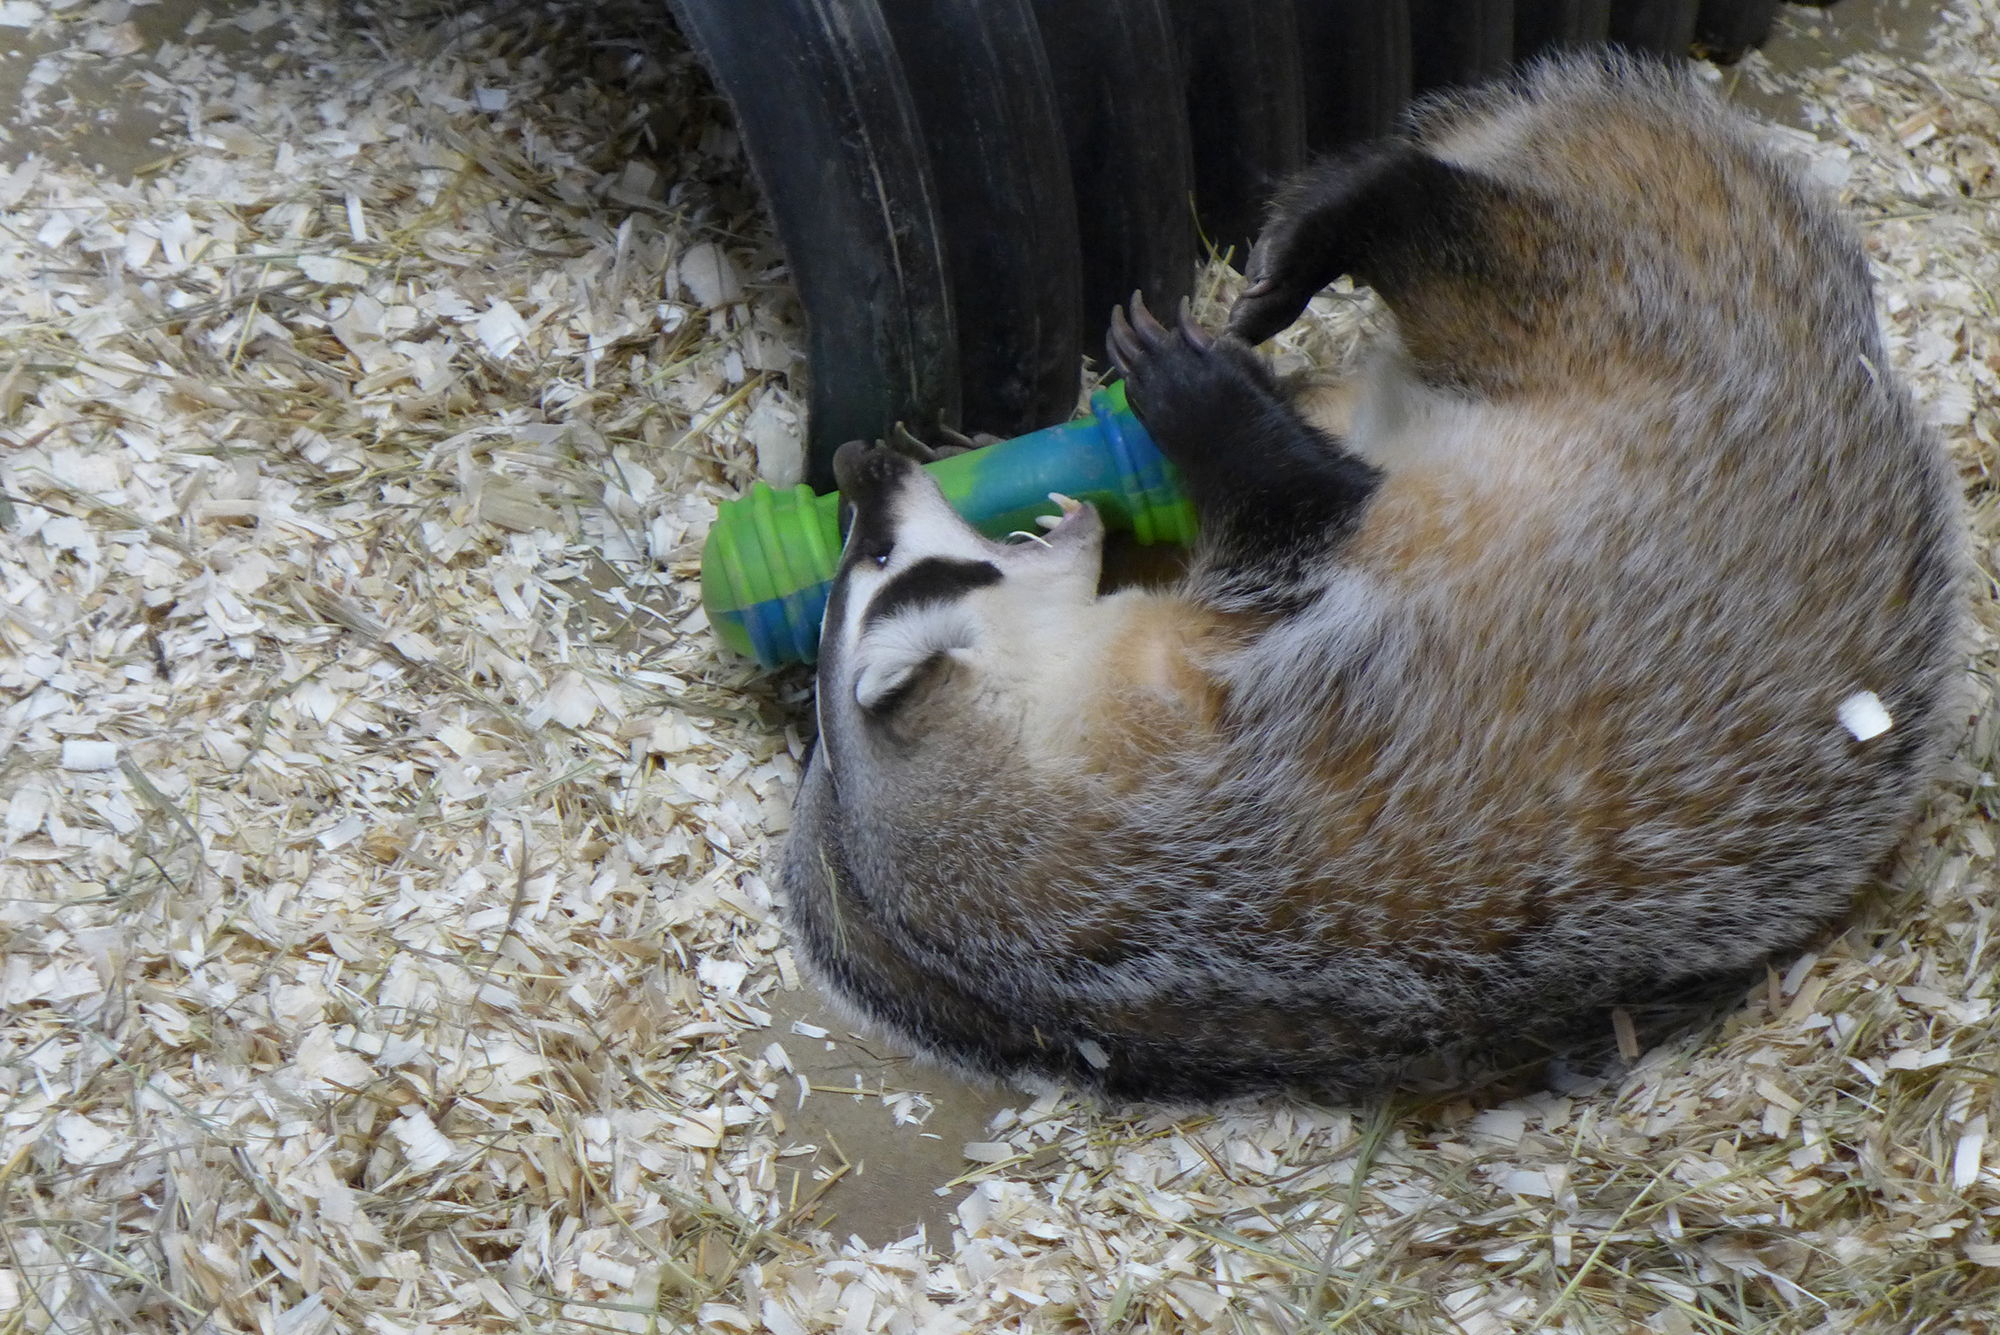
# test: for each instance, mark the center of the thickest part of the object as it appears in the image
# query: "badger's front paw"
(1192, 391)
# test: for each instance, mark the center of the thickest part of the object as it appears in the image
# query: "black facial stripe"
(868, 530)
(869, 482)
(935, 579)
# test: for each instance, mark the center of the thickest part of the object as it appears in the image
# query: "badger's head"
(921, 598)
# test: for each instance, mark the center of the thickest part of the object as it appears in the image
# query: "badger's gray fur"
(1521, 698)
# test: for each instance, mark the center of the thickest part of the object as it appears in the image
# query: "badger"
(1609, 646)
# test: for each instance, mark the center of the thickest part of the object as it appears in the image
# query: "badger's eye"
(872, 548)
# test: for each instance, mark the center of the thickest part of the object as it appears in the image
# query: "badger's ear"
(895, 651)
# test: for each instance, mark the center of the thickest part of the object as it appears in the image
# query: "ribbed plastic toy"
(771, 555)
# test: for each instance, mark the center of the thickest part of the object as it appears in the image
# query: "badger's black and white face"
(920, 594)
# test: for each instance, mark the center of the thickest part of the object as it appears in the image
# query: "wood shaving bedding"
(387, 945)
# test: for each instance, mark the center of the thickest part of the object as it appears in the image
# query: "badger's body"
(1520, 699)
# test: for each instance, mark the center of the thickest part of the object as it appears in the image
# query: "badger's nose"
(869, 477)
(867, 472)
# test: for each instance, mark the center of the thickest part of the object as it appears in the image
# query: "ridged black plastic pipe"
(1124, 118)
(985, 99)
(1245, 110)
(1664, 27)
(1459, 41)
(1355, 55)
(1541, 26)
(915, 153)
(830, 131)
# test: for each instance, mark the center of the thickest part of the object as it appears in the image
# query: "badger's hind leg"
(1365, 212)
(1272, 491)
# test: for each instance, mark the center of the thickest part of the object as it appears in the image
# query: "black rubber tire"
(985, 97)
(1729, 30)
(829, 129)
(1663, 27)
(1355, 55)
(1459, 41)
(1245, 110)
(1541, 26)
(1120, 98)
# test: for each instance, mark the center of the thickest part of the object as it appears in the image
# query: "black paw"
(1191, 390)
(1284, 276)
(1343, 215)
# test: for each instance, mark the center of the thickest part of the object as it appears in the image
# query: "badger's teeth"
(1069, 506)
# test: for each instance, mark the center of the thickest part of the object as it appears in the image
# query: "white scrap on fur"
(1863, 715)
(1093, 1052)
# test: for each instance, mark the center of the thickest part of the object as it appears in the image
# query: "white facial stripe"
(926, 526)
(999, 627)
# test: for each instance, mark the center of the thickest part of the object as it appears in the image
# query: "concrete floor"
(874, 1177)
(1808, 38)
(97, 112)
(864, 1174)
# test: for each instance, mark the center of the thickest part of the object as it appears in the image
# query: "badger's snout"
(870, 479)
(868, 473)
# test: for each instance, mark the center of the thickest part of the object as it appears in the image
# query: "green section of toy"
(771, 555)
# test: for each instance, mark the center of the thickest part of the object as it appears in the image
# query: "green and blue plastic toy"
(770, 557)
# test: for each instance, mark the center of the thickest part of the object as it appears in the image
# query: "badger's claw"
(1189, 387)
(957, 442)
(903, 443)
(1134, 341)
(1192, 332)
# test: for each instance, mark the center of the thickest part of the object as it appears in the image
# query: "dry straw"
(387, 945)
